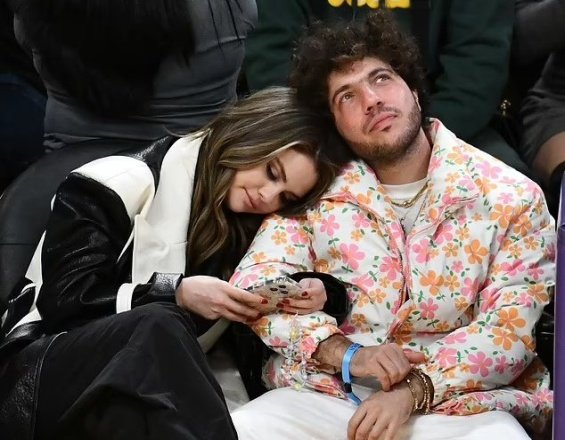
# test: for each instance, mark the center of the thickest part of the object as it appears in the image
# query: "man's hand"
(388, 363)
(382, 413)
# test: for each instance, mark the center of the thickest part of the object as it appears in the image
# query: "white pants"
(287, 414)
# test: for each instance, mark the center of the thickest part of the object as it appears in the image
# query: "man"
(466, 45)
(445, 252)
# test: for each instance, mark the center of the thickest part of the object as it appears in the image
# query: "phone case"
(276, 290)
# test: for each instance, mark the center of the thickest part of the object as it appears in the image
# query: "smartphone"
(276, 290)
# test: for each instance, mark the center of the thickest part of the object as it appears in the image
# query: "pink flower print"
(518, 367)
(506, 198)
(501, 365)
(435, 163)
(360, 221)
(482, 397)
(470, 288)
(522, 400)
(297, 236)
(457, 266)
(309, 345)
(329, 225)
(347, 328)
(277, 342)
(535, 271)
(543, 397)
(351, 255)
(390, 267)
(246, 281)
(428, 309)
(513, 268)
(489, 170)
(466, 183)
(456, 338)
(480, 363)
(525, 299)
(421, 250)
(364, 282)
(444, 233)
(447, 199)
(447, 357)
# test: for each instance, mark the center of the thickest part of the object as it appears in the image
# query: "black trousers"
(136, 375)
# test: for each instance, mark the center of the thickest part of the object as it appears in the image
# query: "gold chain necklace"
(411, 202)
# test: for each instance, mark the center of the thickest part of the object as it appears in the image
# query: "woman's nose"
(269, 193)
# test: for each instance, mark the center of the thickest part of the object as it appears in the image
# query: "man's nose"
(371, 98)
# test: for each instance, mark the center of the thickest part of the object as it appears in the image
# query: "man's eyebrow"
(371, 74)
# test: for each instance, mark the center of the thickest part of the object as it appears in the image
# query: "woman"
(133, 69)
(148, 235)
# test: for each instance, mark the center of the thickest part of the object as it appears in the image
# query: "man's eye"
(382, 77)
(346, 97)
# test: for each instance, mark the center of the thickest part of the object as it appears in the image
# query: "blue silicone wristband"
(345, 373)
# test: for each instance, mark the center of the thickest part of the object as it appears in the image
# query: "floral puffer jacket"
(465, 286)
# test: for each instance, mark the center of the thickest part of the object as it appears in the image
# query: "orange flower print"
(510, 319)
(538, 293)
(461, 304)
(279, 237)
(357, 234)
(262, 327)
(531, 243)
(358, 320)
(267, 270)
(334, 253)
(463, 233)
(377, 296)
(322, 265)
(451, 282)
(432, 280)
(364, 199)
(352, 178)
(504, 338)
(450, 250)
(259, 257)
(290, 250)
(502, 213)
(363, 300)
(475, 252)
(523, 226)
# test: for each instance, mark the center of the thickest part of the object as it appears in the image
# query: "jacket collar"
(451, 183)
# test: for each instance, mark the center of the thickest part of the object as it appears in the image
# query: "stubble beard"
(390, 153)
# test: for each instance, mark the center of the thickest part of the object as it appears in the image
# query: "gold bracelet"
(414, 393)
(428, 388)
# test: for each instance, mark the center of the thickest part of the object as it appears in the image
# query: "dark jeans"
(22, 109)
(135, 375)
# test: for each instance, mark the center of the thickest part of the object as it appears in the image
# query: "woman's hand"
(213, 298)
(382, 413)
(313, 298)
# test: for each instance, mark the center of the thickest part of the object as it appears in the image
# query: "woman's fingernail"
(279, 305)
(264, 301)
(285, 301)
(304, 293)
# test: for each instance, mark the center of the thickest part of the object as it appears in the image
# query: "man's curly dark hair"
(328, 48)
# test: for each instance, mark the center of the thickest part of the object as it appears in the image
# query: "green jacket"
(467, 53)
